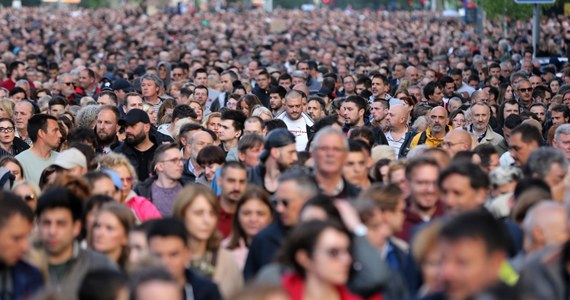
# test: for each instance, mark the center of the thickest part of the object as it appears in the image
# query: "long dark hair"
(253, 192)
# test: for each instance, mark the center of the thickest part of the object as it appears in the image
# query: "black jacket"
(263, 248)
(187, 176)
(406, 144)
(263, 95)
(203, 289)
(18, 146)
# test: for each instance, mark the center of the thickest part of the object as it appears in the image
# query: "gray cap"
(276, 138)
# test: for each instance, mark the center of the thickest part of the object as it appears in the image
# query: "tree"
(503, 8)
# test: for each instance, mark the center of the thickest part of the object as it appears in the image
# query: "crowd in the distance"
(294, 155)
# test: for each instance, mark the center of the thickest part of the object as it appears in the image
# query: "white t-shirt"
(298, 128)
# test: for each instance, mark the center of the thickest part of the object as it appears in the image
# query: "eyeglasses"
(335, 252)
(30, 197)
(174, 160)
(527, 90)
(68, 83)
(276, 202)
(7, 129)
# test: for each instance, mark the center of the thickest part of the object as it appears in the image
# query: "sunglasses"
(68, 83)
(276, 202)
(527, 90)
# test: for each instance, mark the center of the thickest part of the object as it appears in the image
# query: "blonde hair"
(114, 160)
(186, 197)
(7, 105)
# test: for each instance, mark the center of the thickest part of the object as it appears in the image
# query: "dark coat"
(187, 176)
(203, 289)
(18, 146)
(26, 280)
(263, 95)
(263, 248)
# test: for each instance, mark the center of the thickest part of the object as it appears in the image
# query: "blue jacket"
(26, 280)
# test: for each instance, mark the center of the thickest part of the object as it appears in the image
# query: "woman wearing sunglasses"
(319, 253)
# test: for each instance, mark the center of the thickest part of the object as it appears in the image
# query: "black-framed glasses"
(527, 90)
(7, 129)
(68, 83)
(276, 202)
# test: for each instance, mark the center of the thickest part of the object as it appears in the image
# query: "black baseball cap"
(133, 117)
(276, 138)
(122, 84)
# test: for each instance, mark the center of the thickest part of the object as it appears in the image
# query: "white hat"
(70, 159)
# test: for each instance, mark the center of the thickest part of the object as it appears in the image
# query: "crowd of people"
(292, 155)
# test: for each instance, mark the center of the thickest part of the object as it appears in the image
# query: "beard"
(282, 167)
(135, 140)
(105, 139)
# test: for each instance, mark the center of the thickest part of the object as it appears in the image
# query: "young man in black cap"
(279, 155)
(139, 145)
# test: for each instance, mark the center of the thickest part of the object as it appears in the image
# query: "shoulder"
(95, 259)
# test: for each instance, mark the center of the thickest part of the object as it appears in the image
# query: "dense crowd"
(293, 155)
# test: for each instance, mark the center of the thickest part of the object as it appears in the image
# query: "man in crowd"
(524, 139)
(298, 122)
(232, 182)
(437, 128)
(424, 203)
(168, 240)
(329, 151)
(139, 144)
(23, 111)
(16, 222)
(464, 186)
(294, 189)
(107, 128)
(195, 140)
(481, 114)
(59, 214)
(455, 141)
(163, 187)
(279, 154)
(276, 98)
(46, 137)
(231, 129)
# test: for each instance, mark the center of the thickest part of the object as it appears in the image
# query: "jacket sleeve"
(371, 274)
(146, 210)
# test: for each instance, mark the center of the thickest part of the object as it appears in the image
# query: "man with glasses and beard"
(139, 145)
(107, 128)
(279, 154)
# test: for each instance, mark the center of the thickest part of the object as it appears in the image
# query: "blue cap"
(115, 177)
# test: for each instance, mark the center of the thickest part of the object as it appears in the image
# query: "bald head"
(457, 140)
(480, 95)
(545, 224)
(398, 116)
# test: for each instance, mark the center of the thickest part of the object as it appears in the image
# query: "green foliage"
(498, 8)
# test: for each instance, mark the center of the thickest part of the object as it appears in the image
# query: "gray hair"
(305, 182)
(329, 130)
(541, 160)
(562, 129)
(87, 115)
(505, 174)
(153, 77)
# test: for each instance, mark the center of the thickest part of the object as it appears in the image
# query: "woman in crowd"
(9, 143)
(247, 102)
(457, 119)
(198, 207)
(142, 207)
(213, 122)
(319, 254)
(6, 108)
(110, 232)
(253, 213)
(210, 159)
(197, 107)
(554, 85)
(232, 101)
(505, 93)
(28, 191)
(14, 166)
